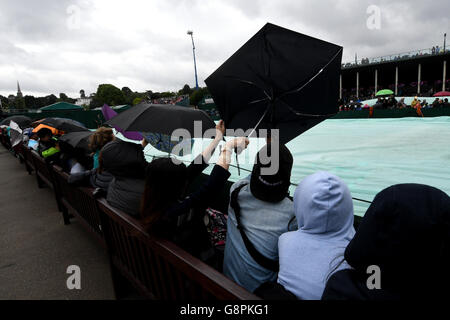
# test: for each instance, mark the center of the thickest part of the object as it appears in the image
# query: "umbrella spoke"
(312, 79)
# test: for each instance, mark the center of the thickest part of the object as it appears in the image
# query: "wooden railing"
(154, 268)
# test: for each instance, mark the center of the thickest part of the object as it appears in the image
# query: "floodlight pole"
(191, 33)
(445, 38)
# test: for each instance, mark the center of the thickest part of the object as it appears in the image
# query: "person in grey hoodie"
(309, 256)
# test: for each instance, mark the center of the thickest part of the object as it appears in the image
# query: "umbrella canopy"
(16, 134)
(42, 126)
(163, 119)
(442, 94)
(22, 121)
(109, 113)
(279, 79)
(77, 139)
(384, 92)
(63, 124)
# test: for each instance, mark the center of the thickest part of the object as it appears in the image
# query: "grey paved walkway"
(36, 247)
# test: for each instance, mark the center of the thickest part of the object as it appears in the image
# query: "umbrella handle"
(237, 161)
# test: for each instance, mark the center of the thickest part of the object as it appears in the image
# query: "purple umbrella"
(109, 113)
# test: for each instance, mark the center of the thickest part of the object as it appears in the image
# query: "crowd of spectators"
(393, 103)
(302, 247)
(401, 56)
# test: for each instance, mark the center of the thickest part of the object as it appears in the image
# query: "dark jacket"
(406, 233)
(125, 161)
(183, 222)
(100, 180)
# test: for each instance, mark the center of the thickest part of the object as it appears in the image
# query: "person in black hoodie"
(126, 162)
(406, 233)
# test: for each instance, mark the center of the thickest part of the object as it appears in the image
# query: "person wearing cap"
(264, 213)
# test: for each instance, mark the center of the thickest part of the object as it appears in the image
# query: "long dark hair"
(165, 184)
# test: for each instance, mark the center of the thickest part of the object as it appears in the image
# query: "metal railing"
(397, 57)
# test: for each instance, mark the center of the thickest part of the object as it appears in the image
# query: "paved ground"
(36, 247)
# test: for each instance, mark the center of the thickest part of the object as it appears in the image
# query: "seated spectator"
(168, 213)
(265, 212)
(436, 103)
(401, 104)
(404, 233)
(126, 162)
(96, 177)
(33, 142)
(324, 209)
(48, 144)
(446, 104)
(98, 140)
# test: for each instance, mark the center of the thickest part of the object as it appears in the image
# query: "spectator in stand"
(309, 256)
(436, 103)
(401, 104)
(405, 234)
(446, 104)
(414, 102)
(98, 140)
(166, 210)
(126, 162)
(48, 144)
(259, 212)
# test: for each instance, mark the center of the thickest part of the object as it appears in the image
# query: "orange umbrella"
(54, 131)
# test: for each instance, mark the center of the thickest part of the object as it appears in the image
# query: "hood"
(406, 232)
(323, 205)
(124, 159)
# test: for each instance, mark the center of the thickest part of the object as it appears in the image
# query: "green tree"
(19, 103)
(51, 99)
(137, 101)
(64, 98)
(197, 96)
(186, 90)
(30, 102)
(4, 102)
(108, 94)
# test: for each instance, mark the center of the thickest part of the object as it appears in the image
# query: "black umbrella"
(163, 119)
(63, 124)
(22, 121)
(77, 139)
(279, 79)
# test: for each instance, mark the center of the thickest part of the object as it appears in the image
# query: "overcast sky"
(54, 46)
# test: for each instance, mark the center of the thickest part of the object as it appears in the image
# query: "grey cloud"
(146, 47)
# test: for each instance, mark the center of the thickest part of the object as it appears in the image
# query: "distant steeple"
(19, 93)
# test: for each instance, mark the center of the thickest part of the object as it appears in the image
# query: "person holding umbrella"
(92, 142)
(166, 212)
